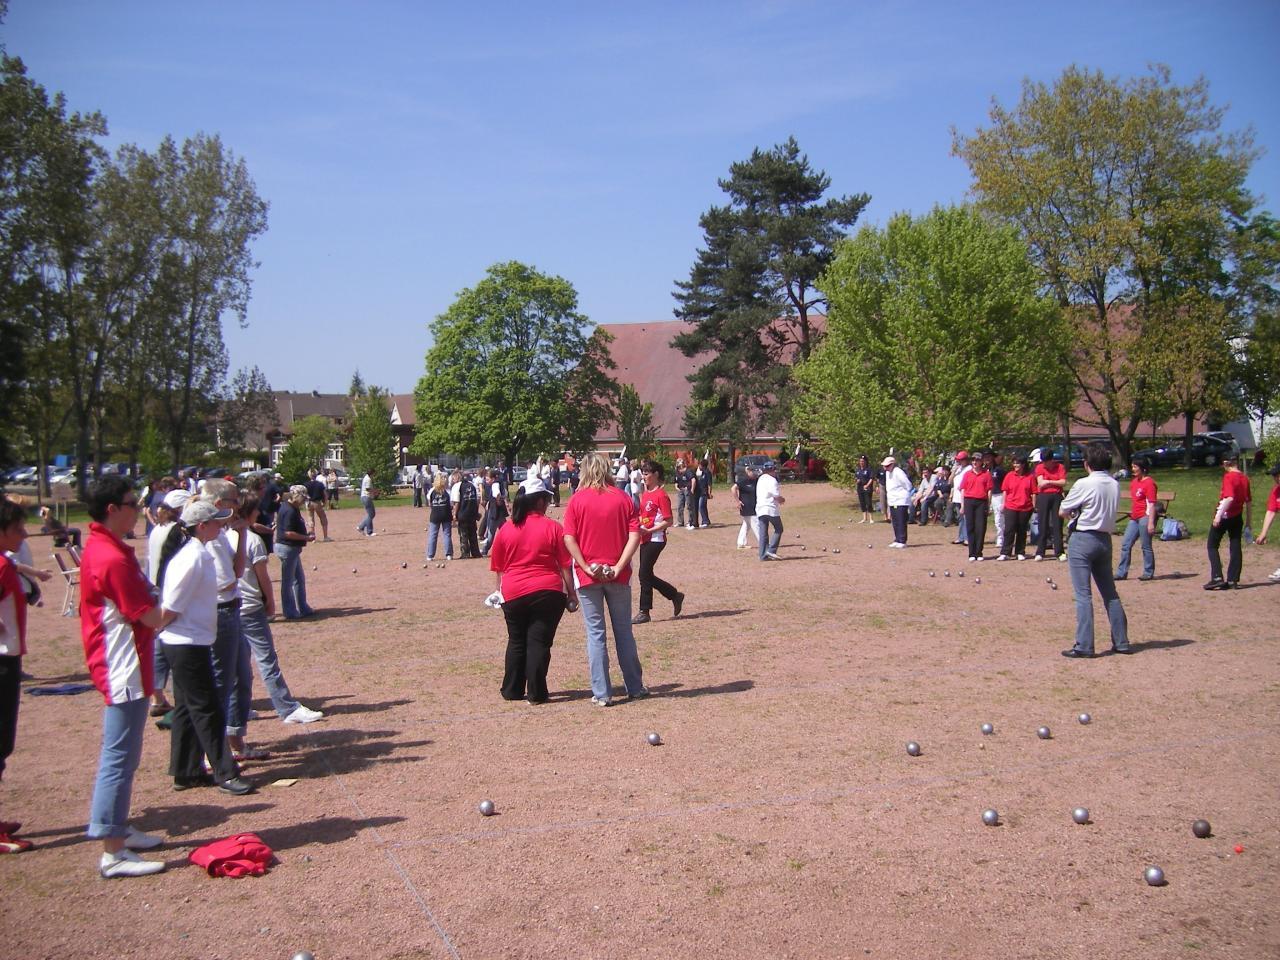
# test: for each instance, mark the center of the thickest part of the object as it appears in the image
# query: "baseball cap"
(198, 511)
(962, 455)
(532, 486)
(176, 499)
(887, 461)
(768, 465)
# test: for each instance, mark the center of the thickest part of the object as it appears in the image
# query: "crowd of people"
(195, 614)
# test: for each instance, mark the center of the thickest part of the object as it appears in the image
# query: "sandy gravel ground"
(781, 817)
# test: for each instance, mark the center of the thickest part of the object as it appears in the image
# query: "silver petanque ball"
(654, 740)
(1201, 829)
(1080, 815)
(977, 579)
(1053, 586)
(913, 749)
(836, 550)
(931, 573)
(1043, 733)
(946, 573)
(487, 809)
(1085, 718)
(1048, 579)
(1154, 877)
(314, 569)
(404, 565)
(991, 818)
(959, 573)
(353, 569)
(304, 955)
(988, 729)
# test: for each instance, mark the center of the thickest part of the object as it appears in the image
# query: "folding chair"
(71, 578)
(74, 551)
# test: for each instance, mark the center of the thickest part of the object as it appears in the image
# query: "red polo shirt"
(1143, 492)
(114, 596)
(1236, 486)
(529, 556)
(976, 484)
(600, 521)
(1019, 492)
(1051, 471)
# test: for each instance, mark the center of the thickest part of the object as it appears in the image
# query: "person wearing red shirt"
(1273, 507)
(119, 616)
(531, 564)
(1019, 498)
(602, 534)
(976, 486)
(1142, 523)
(1051, 481)
(655, 520)
(13, 645)
(1234, 511)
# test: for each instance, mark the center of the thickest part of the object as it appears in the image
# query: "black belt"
(230, 604)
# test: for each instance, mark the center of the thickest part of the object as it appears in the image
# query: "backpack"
(1171, 529)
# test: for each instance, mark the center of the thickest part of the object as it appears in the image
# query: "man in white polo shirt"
(768, 500)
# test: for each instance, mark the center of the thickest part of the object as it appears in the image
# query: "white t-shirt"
(957, 495)
(155, 543)
(455, 492)
(224, 560)
(255, 552)
(1096, 497)
(637, 482)
(191, 589)
(623, 473)
(897, 487)
(767, 496)
(366, 486)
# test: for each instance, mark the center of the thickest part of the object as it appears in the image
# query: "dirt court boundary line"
(823, 796)
(389, 854)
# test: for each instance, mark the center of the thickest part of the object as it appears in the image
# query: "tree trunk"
(1189, 426)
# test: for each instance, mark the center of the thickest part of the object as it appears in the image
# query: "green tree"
(153, 454)
(1128, 194)
(249, 407)
(937, 336)
(307, 448)
(212, 213)
(1257, 366)
(372, 446)
(357, 388)
(752, 293)
(513, 370)
(636, 430)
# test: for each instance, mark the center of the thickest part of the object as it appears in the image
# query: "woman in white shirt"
(167, 513)
(189, 590)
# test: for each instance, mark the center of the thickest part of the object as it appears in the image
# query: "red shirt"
(976, 484)
(114, 596)
(11, 593)
(1019, 492)
(1273, 501)
(1143, 492)
(1236, 486)
(529, 557)
(655, 506)
(601, 521)
(1052, 471)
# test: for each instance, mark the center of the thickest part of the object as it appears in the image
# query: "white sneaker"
(979, 559)
(971, 559)
(1038, 558)
(373, 534)
(126, 863)
(137, 840)
(1062, 558)
(602, 701)
(303, 715)
(772, 556)
(689, 526)
(1274, 576)
(1022, 556)
(1000, 558)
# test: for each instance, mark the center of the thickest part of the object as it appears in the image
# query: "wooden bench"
(1163, 497)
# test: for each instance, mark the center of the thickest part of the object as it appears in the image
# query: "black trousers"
(1231, 527)
(417, 496)
(10, 694)
(531, 630)
(898, 517)
(470, 546)
(975, 521)
(1017, 523)
(199, 724)
(864, 499)
(1050, 523)
(649, 554)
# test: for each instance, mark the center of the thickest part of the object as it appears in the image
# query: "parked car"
(1206, 451)
(753, 460)
(518, 474)
(1226, 436)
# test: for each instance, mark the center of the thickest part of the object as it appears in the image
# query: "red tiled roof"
(658, 371)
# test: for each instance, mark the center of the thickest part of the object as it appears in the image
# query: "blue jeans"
(227, 645)
(433, 533)
(1137, 529)
(293, 582)
(702, 509)
(594, 599)
(123, 725)
(257, 634)
(160, 669)
(766, 545)
(962, 527)
(366, 525)
(682, 498)
(1089, 556)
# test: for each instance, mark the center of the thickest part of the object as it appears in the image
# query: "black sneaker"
(641, 617)
(677, 605)
(187, 783)
(237, 786)
(1074, 654)
(1216, 585)
(1144, 578)
(1123, 650)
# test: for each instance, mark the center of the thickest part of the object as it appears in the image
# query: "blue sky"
(404, 147)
